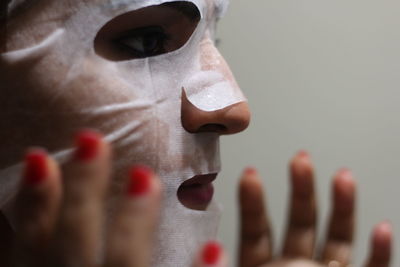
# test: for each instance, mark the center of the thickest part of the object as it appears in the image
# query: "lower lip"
(196, 196)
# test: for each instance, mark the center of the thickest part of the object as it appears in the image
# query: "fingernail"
(303, 154)
(383, 233)
(211, 253)
(250, 171)
(345, 173)
(35, 167)
(385, 226)
(140, 181)
(87, 143)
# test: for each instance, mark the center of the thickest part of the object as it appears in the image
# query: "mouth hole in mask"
(147, 32)
(197, 192)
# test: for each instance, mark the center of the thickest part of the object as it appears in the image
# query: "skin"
(64, 215)
(69, 231)
(299, 246)
(50, 111)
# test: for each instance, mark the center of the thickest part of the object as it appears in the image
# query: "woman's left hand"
(299, 246)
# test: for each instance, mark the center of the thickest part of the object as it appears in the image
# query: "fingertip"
(90, 145)
(36, 169)
(250, 175)
(344, 189)
(302, 174)
(303, 154)
(301, 164)
(344, 176)
(38, 200)
(87, 143)
(250, 183)
(212, 254)
(144, 186)
(40, 172)
(381, 245)
(140, 181)
(250, 171)
(383, 233)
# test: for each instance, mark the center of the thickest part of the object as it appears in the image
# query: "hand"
(60, 214)
(299, 246)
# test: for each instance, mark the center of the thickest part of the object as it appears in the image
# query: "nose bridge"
(215, 103)
(212, 60)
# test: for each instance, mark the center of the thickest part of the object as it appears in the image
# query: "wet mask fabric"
(135, 103)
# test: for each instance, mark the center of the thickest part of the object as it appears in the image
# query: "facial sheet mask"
(135, 103)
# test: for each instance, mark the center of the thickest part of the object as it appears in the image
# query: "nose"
(227, 120)
(230, 120)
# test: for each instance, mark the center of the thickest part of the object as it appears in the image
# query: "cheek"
(46, 108)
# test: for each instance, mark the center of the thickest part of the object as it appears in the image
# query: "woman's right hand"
(59, 216)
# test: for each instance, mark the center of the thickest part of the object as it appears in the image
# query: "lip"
(197, 192)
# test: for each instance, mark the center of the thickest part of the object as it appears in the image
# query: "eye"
(143, 42)
(147, 32)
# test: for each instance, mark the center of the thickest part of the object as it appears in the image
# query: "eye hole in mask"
(147, 32)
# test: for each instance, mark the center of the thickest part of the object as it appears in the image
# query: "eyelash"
(151, 41)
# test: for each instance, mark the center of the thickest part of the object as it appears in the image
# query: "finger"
(37, 204)
(255, 233)
(300, 235)
(81, 217)
(339, 240)
(130, 238)
(381, 246)
(211, 255)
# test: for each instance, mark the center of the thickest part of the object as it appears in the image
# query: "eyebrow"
(186, 8)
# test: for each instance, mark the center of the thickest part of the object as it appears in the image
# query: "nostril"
(213, 127)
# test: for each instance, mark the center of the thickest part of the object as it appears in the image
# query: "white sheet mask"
(135, 103)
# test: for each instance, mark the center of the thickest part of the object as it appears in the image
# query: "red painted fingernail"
(140, 181)
(87, 143)
(35, 167)
(250, 170)
(212, 253)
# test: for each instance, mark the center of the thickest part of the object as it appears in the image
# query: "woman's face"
(150, 79)
(146, 74)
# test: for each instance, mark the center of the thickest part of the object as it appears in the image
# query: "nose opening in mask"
(229, 120)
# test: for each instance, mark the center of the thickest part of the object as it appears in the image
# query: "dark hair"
(6, 15)
(20, 7)
(3, 23)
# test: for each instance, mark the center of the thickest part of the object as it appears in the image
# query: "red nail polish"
(87, 143)
(35, 167)
(211, 253)
(140, 180)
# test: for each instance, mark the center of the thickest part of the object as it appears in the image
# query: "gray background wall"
(323, 76)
